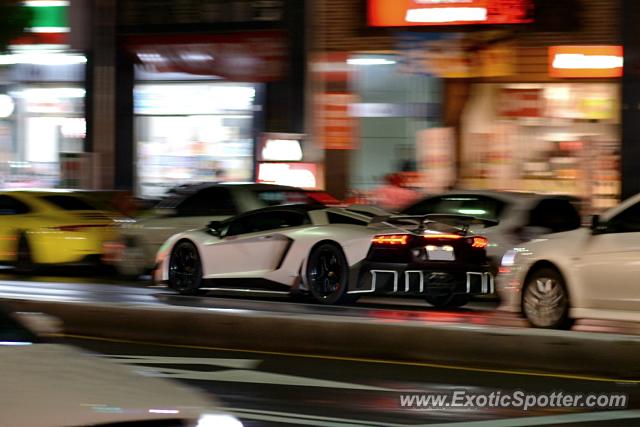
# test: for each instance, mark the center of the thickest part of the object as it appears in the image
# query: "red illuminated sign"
(408, 13)
(586, 61)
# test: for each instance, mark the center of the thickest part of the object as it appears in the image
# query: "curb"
(456, 345)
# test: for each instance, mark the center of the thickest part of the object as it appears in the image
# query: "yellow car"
(40, 227)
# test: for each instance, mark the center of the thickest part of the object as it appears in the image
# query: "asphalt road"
(279, 389)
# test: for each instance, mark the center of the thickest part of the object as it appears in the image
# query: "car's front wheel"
(328, 275)
(185, 268)
(545, 301)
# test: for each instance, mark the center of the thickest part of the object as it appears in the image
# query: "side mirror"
(597, 226)
(214, 228)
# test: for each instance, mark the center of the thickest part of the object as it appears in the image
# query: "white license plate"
(440, 253)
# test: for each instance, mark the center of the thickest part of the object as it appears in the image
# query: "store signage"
(335, 128)
(281, 147)
(521, 102)
(404, 13)
(258, 56)
(303, 175)
(456, 55)
(49, 24)
(586, 61)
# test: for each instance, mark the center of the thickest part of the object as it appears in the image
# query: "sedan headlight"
(218, 420)
(509, 258)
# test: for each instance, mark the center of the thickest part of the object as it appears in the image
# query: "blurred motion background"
(144, 95)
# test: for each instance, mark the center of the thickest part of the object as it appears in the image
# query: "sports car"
(333, 254)
(44, 227)
(585, 273)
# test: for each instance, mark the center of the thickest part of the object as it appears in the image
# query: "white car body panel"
(260, 255)
(600, 270)
(50, 385)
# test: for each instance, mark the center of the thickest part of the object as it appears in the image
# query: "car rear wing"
(464, 222)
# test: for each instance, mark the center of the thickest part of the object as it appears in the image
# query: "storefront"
(557, 137)
(189, 132)
(42, 105)
(209, 78)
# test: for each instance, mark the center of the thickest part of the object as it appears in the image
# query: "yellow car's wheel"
(24, 261)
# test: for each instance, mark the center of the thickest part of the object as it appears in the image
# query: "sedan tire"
(545, 300)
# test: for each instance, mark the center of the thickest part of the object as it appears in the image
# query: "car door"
(12, 215)
(610, 265)
(252, 244)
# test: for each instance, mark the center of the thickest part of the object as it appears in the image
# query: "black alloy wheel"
(185, 268)
(328, 275)
(24, 260)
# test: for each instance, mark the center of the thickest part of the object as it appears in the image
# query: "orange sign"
(407, 13)
(586, 61)
(335, 128)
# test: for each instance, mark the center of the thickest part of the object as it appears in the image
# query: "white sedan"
(584, 273)
(55, 385)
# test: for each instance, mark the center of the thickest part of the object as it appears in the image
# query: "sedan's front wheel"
(185, 268)
(545, 301)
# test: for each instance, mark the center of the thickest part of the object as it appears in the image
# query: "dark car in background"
(193, 206)
(521, 216)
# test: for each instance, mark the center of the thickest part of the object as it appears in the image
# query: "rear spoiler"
(462, 221)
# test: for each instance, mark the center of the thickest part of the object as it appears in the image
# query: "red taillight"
(479, 242)
(78, 227)
(390, 239)
(442, 236)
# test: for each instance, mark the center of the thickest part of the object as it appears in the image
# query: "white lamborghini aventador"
(332, 254)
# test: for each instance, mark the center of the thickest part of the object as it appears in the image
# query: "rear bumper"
(402, 279)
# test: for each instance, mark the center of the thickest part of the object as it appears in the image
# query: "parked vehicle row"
(529, 248)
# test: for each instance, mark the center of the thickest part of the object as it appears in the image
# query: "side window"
(335, 218)
(265, 221)
(556, 215)
(208, 202)
(627, 221)
(478, 206)
(12, 206)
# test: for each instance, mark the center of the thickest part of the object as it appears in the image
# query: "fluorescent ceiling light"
(370, 61)
(447, 14)
(46, 3)
(41, 58)
(49, 30)
(593, 62)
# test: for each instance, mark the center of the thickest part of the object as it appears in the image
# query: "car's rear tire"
(185, 268)
(545, 300)
(448, 301)
(24, 261)
(327, 275)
